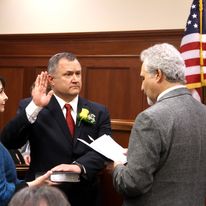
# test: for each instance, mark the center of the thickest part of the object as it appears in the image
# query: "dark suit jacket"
(51, 144)
(166, 154)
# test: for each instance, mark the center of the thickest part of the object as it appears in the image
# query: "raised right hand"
(39, 93)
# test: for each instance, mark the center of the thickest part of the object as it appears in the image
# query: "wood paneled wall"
(111, 67)
(110, 62)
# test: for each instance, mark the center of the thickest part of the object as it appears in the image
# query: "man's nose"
(74, 77)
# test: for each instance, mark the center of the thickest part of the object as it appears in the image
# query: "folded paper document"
(106, 146)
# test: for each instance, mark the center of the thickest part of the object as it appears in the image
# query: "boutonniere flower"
(87, 117)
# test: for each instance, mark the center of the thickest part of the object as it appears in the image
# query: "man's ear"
(159, 75)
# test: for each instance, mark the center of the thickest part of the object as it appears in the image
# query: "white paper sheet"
(106, 146)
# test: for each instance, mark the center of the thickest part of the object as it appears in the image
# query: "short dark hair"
(54, 60)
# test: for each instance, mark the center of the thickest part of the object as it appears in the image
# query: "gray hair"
(54, 60)
(166, 58)
(36, 195)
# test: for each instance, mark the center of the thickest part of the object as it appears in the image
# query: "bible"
(60, 176)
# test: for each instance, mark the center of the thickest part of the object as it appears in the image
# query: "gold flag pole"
(203, 83)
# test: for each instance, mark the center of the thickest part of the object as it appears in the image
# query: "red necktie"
(69, 119)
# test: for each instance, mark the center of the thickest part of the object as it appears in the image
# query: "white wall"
(56, 16)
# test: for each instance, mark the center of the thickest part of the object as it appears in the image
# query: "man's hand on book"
(67, 168)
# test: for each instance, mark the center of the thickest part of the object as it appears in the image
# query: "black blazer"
(51, 142)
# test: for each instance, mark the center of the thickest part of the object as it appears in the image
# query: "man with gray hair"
(166, 154)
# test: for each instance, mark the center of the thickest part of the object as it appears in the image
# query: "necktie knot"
(69, 119)
(68, 107)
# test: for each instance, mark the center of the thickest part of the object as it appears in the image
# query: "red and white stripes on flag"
(193, 46)
(190, 51)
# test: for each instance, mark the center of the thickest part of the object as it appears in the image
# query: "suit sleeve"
(143, 158)
(16, 132)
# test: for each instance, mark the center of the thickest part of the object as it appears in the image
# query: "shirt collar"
(169, 90)
(73, 103)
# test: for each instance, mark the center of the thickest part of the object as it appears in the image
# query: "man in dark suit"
(167, 146)
(43, 123)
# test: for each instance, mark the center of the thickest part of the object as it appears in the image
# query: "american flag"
(193, 45)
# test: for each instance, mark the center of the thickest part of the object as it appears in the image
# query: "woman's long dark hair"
(2, 80)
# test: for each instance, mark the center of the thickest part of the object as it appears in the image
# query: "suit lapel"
(58, 116)
(82, 103)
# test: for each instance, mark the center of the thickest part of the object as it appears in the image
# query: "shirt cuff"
(83, 170)
(32, 110)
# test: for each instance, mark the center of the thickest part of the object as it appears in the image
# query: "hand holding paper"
(106, 146)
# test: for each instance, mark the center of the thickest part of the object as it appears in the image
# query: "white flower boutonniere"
(85, 116)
